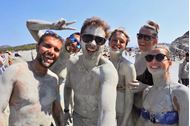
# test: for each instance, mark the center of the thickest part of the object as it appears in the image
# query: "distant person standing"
(2, 63)
(183, 73)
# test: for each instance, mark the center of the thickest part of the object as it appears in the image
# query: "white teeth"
(154, 67)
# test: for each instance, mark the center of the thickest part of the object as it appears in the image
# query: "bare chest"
(30, 90)
(86, 81)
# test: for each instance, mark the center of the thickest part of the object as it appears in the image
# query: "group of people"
(105, 91)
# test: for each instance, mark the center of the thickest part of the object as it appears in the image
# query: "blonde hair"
(152, 25)
(122, 30)
(165, 48)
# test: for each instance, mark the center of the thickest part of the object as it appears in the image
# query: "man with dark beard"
(31, 89)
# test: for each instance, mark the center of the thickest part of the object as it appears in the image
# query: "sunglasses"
(73, 40)
(87, 38)
(48, 32)
(145, 37)
(159, 57)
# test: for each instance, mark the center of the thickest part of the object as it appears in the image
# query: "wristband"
(66, 110)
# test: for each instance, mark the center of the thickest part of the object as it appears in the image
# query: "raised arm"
(35, 27)
(109, 80)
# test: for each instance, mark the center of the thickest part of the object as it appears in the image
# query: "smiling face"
(118, 42)
(48, 51)
(72, 44)
(146, 40)
(92, 48)
(157, 67)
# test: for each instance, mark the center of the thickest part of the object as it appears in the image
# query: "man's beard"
(41, 60)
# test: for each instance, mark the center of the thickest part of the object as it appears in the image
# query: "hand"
(179, 81)
(67, 118)
(134, 84)
(62, 24)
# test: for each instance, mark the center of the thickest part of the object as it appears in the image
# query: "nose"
(117, 42)
(93, 42)
(51, 51)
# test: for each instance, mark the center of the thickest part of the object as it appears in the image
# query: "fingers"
(69, 28)
(134, 83)
(69, 23)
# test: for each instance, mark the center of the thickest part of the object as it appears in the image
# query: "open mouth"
(91, 48)
(48, 59)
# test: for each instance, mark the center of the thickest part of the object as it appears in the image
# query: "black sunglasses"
(159, 57)
(145, 37)
(87, 38)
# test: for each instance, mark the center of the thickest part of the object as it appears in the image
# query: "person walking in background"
(183, 73)
(166, 103)
(31, 89)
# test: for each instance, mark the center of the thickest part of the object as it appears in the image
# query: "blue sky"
(171, 15)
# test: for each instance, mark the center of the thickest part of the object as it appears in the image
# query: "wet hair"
(153, 26)
(122, 30)
(95, 21)
(52, 34)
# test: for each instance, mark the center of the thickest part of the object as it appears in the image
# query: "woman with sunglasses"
(166, 103)
(126, 71)
(147, 39)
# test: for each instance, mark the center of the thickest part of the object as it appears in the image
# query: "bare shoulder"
(127, 63)
(179, 90)
(16, 68)
(73, 60)
(108, 71)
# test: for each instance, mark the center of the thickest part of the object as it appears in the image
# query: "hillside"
(180, 44)
(18, 48)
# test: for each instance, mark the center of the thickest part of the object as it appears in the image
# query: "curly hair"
(96, 21)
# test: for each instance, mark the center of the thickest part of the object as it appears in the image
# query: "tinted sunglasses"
(73, 40)
(87, 38)
(145, 37)
(159, 57)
